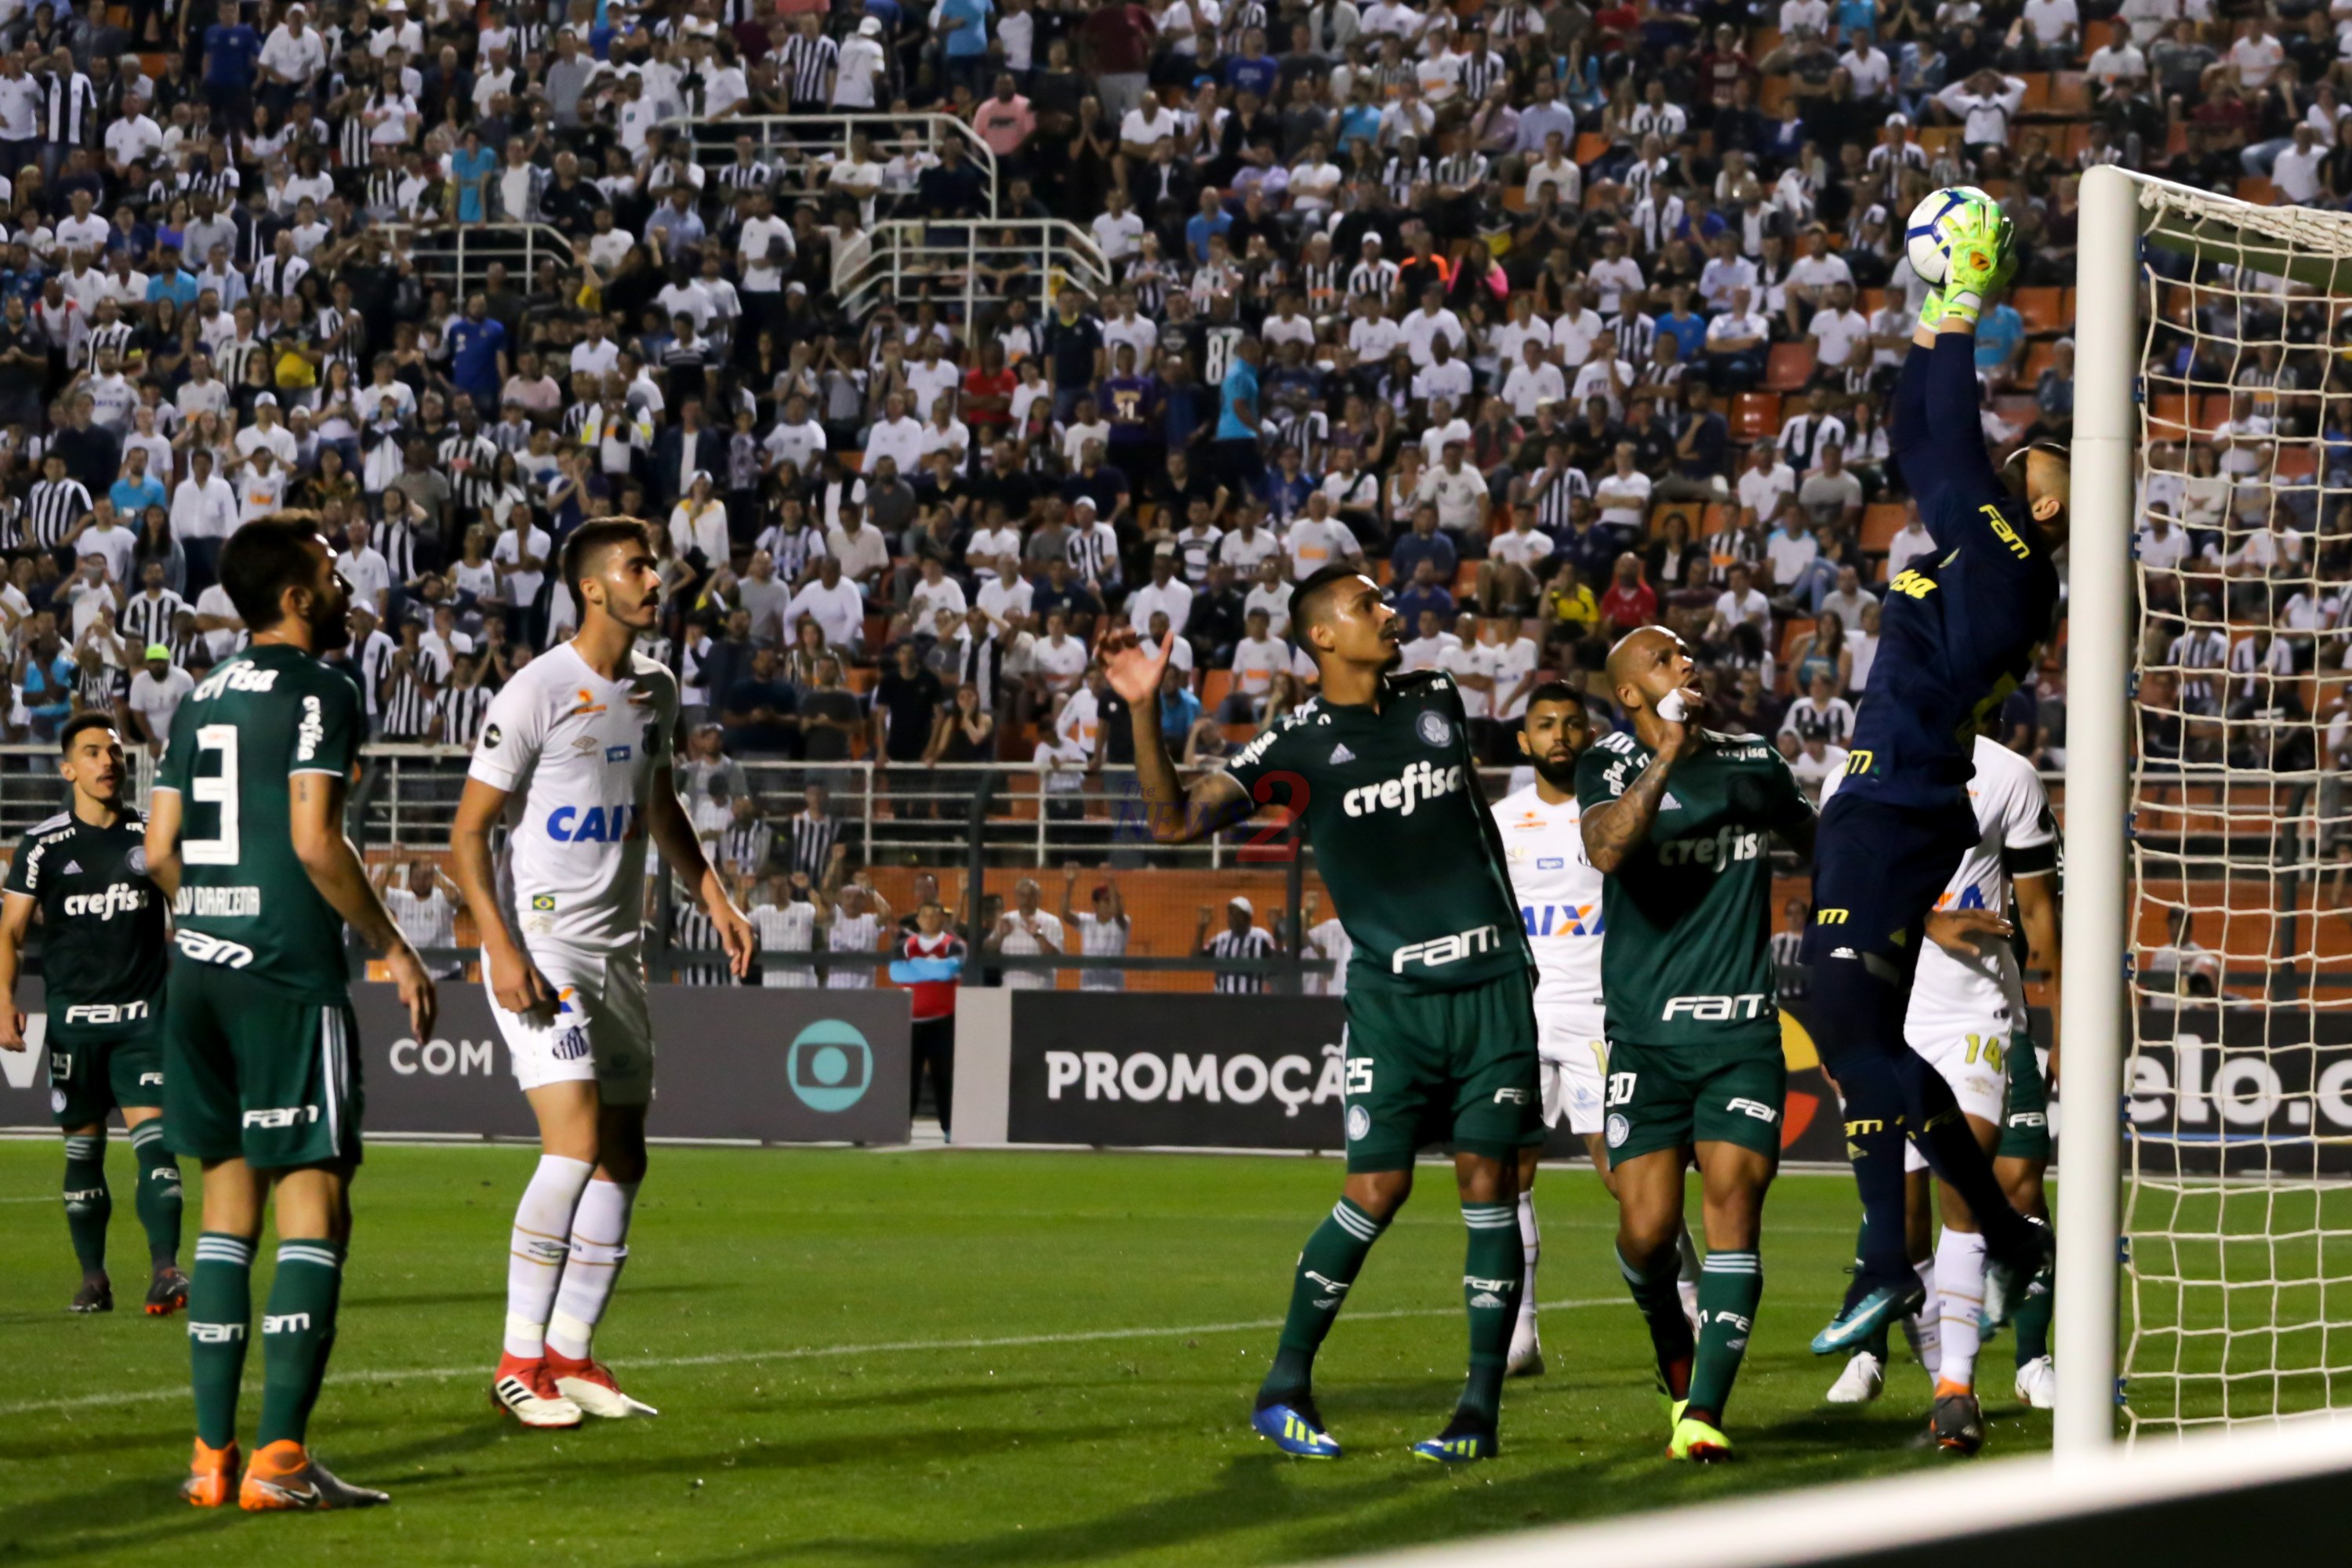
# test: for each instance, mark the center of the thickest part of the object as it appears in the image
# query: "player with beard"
(1679, 819)
(1441, 1042)
(575, 760)
(1560, 897)
(261, 1070)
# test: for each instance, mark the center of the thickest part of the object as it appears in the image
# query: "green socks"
(88, 1206)
(220, 1315)
(1729, 1286)
(296, 1334)
(2032, 1322)
(1326, 1269)
(1492, 1275)
(159, 1193)
(1660, 1304)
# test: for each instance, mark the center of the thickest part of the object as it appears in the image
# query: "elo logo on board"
(829, 1065)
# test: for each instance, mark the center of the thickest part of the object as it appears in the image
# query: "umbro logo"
(1339, 753)
(1485, 1298)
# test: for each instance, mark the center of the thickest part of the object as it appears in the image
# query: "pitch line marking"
(805, 1353)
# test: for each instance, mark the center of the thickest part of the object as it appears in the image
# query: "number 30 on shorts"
(1621, 1088)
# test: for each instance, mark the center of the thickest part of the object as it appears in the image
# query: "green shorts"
(1672, 1097)
(1442, 1066)
(2025, 1126)
(96, 1068)
(255, 1071)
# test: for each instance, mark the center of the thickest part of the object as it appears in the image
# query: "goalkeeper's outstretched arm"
(1937, 427)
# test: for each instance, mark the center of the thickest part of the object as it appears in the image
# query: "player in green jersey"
(244, 831)
(1440, 1044)
(102, 960)
(1678, 818)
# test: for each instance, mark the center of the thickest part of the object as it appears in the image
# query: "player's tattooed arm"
(315, 815)
(1616, 829)
(1175, 811)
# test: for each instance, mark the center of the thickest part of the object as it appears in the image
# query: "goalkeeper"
(1959, 633)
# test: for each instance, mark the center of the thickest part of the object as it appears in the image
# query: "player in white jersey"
(1558, 894)
(1967, 1006)
(574, 762)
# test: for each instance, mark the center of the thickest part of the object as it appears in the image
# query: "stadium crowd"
(1562, 320)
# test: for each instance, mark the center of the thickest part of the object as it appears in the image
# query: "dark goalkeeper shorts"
(1879, 870)
(255, 1071)
(1673, 1097)
(1442, 1066)
(2025, 1124)
(95, 1069)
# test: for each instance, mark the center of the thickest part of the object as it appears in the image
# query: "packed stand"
(1561, 320)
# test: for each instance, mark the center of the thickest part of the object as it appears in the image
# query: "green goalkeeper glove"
(1981, 264)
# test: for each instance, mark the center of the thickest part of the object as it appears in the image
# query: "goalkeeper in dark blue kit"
(1959, 632)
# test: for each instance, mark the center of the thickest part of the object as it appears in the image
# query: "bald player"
(1679, 819)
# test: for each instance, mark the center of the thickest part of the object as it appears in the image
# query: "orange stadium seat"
(2039, 357)
(2037, 93)
(1790, 366)
(2070, 95)
(2044, 309)
(1215, 684)
(2256, 189)
(1660, 513)
(1880, 523)
(1590, 146)
(1754, 415)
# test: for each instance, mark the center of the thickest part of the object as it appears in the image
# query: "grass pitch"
(874, 1359)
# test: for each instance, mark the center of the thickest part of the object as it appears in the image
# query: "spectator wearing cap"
(1241, 938)
(156, 692)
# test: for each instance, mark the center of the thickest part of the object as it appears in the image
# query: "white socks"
(600, 1234)
(1959, 1283)
(542, 1240)
(1531, 1249)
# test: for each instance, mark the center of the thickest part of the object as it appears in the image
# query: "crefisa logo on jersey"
(829, 1065)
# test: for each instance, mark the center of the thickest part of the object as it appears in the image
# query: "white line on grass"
(804, 1353)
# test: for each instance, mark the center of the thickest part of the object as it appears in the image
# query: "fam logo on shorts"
(829, 1065)
(1618, 1131)
(1359, 1121)
(1434, 728)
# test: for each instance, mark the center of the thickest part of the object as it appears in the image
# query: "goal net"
(2236, 1143)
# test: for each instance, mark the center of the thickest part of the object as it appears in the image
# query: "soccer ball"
(1928, 238)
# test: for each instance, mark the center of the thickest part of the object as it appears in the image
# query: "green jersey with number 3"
(245, 902)
(1687, 958)
(1390, 800)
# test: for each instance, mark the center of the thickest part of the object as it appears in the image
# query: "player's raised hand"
(1679, 712)
(415, 989)
(1132, 666)
(1968, 933)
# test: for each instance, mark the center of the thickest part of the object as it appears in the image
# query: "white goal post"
(2195, 1228)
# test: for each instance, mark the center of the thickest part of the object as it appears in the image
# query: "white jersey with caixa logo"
(578, 755)
(1559, 895)
(2015, 832)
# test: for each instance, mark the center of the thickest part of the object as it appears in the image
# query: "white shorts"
(603, 1031)
(1574, 1066)
(1975, 1062)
